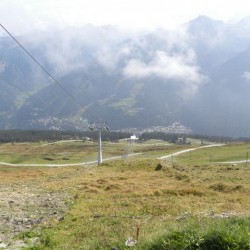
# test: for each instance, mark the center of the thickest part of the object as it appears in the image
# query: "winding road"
(65, 165)
(110, 158)
(188, 150)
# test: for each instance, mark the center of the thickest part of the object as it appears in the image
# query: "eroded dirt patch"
(24, 206)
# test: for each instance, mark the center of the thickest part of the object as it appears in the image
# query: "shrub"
(158, 167)
(228, 234)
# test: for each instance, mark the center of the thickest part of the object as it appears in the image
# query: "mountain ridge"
(143, 80)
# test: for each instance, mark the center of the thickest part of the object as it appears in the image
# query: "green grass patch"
(226, 153)
(204, 234)
(109, 201)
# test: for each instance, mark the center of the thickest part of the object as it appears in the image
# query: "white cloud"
(2, 67)
(74, 49)
(178, 67)
(23, 16)
(165, 65)
(64, 53)
(108, 57)
(246, 75)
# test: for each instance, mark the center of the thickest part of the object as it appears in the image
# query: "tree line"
(7, 136)
(175, 138)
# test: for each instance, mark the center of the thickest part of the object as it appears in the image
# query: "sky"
(24, 16)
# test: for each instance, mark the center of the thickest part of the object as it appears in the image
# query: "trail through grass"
(167, 200)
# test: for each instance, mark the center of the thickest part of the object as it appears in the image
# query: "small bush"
(48, 159)
(158, 167)
(231, 234)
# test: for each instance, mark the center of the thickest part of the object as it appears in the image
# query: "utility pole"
(99, 125)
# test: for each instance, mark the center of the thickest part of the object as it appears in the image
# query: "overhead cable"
(28, 94)
(21, 90)
(56, 81)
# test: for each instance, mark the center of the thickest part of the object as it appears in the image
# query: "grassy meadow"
(186, 202)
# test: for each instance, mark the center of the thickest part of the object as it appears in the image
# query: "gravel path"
(188, 150)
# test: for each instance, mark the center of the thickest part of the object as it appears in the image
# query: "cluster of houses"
(175, 128)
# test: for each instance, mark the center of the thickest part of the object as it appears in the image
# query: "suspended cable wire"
(21, 90)
(56, 81)
(28, 94)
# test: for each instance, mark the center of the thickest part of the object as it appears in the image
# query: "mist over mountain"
(198, 75)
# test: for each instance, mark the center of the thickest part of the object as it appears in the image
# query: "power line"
(58, 83)
(28, 94)
(21, 90)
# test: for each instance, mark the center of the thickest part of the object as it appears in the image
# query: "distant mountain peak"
(202, 19)
(245, 20)
(243, 26)
(205, 26)
(198, 75)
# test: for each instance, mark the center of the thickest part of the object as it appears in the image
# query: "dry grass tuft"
(222, 187)
(112, 187)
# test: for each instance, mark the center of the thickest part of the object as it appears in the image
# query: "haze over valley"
(197, 75)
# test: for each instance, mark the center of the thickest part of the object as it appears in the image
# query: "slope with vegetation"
(189, 202)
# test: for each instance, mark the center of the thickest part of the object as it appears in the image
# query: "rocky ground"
(25, 206)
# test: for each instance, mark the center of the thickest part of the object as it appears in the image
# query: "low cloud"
(75, 49)
(64, 53)
(178, 67)
(109, 57)
(2, 67)
(246, 75)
